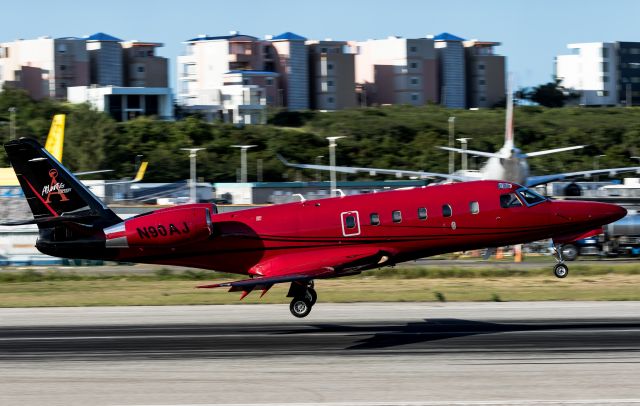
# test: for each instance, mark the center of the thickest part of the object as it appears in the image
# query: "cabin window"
(374, 219)
(350, 221)
(422, 213)
(396, 216)
(446, 210)
(509, 200)
(474, 207)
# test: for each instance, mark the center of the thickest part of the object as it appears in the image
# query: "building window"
(413, 49)
(269, 81)
(323, 50)
(474, 207)
(140, 54)
(329, 66)
(329, 82)
(482, 82)
(140, 69)
(480, 66)
(246, 82)
(414, 81)
(396, 216)
(413, 65)
(62, 48)
(330, 100)
(446, 210)
(605, 52)
(605, 79)
(63, 67)
(414, 96)
(483, 99)
(422, 213)
(605, 66)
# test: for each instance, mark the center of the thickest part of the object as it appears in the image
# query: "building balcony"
(240, 58)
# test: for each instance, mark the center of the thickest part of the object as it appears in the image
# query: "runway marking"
(558, 402)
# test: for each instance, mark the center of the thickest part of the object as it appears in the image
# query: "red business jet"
(297, 242)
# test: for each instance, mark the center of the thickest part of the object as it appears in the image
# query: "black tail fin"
(53, 193)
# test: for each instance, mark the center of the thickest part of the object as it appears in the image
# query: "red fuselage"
(402, 224)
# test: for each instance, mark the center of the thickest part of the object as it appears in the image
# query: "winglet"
(141, 170)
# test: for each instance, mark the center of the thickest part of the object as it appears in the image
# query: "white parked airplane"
(509, 163)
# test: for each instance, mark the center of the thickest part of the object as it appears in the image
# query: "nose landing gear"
(304, 297)
(560, 270)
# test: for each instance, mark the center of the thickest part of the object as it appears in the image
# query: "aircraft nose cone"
(609, 213)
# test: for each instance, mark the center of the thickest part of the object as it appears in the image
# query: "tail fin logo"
(55, 188)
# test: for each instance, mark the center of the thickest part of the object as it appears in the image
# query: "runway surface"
(343, 354)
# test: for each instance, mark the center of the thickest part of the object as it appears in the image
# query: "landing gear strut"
(304, 297)
(560, 270)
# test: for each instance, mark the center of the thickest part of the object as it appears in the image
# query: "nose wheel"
(304, 297)
(560, 270)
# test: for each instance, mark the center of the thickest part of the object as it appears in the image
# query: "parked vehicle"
(621, 238)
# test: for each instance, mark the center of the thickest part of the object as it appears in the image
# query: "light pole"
(332, 162)
(243, 160)
(596, 165)
(192, 172)
(464, 142)
(452, 123)
(319, 162)
(12, 122)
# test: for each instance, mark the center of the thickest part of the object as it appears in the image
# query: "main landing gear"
(560, 270)
(304, 297)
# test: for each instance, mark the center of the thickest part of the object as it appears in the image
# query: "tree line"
(398, 136)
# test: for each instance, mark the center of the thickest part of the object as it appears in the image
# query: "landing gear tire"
(561, 271)
(300, 307)
(311, 296)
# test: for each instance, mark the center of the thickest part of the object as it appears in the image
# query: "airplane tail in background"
(53, 193)
(55, 140)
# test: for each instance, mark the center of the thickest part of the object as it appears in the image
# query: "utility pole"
(332, 162)
(452, 123)
(243, 160)
(192, 171)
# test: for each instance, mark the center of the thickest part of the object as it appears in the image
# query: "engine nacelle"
(166, 227)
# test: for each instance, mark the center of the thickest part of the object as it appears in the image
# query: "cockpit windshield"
(530, 197)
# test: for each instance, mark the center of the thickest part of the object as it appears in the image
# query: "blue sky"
(531, 32)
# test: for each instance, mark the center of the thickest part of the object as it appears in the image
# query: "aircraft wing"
(552, 151)
(539, 180)
(378, 171)
(483, 154)
(305, 266)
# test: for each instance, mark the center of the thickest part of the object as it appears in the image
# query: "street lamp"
(243, 160)
(452, 123)
(192, 172)
(464, 142)
(12, 122)
(332, 162)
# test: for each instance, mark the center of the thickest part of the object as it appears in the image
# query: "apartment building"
(485, 74)
(125, 79)
(44, 67)
(215, 71)
(292, 64)
(592, 69)
(451, 57)
(331, 75)
(396, 70)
